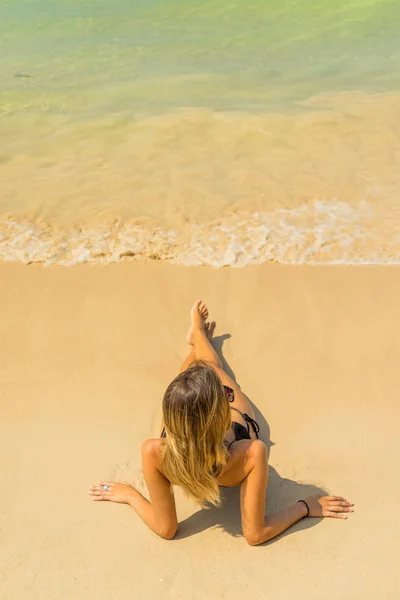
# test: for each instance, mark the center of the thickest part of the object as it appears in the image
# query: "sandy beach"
(86, 354)
(155, 153)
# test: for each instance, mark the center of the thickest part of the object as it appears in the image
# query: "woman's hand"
(116, 492)
(329, 506)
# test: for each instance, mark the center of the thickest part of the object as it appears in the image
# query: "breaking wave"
(323, 232)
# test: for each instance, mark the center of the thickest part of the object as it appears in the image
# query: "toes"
(203, 310)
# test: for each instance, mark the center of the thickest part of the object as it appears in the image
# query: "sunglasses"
(229, 393)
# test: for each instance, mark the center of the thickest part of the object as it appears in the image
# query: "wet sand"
(199, 187)
(86, 354)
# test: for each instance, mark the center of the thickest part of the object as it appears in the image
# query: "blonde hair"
(196, 415)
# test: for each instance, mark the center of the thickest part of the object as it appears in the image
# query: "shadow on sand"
(281, 492)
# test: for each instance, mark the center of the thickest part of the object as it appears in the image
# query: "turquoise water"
(92, 56)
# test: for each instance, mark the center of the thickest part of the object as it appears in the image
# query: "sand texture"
(86, 353)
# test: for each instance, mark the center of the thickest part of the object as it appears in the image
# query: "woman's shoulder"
(243, 456)
(151, 449)
(152, 445)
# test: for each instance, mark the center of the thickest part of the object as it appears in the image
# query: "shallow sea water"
(218, 133)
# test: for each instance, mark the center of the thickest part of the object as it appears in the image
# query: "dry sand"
(86, 354)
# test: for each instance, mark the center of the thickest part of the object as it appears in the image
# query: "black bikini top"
(240, 431)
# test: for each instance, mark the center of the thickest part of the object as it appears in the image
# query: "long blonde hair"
(196, 415)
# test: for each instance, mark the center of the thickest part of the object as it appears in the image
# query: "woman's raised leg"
(189, 360)
(191, 357)
(198, 336)
(199, 340)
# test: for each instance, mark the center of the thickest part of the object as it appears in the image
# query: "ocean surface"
(202, 133)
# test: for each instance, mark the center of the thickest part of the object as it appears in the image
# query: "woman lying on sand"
(209, 438)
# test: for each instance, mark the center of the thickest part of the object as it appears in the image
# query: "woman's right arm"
(258, 528)
(160, 513)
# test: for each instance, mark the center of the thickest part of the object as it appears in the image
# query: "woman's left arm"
(160, 513)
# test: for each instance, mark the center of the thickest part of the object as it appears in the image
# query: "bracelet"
(308, 508)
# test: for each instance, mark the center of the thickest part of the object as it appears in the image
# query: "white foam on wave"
(323, 232)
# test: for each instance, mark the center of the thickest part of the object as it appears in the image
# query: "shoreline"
(198, 186)
(320, 233)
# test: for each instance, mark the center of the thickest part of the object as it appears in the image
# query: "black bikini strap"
(242, 415)
(249, 421)
(254, 424)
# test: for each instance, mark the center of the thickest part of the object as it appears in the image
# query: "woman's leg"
(191, 357)
(200, 342)
(200, 334)
(189, 360)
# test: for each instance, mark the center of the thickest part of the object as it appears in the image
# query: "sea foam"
(322, 232)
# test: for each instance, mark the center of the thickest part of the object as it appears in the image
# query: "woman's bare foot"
(198, 316)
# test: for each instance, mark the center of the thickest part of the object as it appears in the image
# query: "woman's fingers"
(335, 515)
(98, 496)
(336, 501)
(338, 508)
(329, 506)
(333, 498)
(339, 502)
(114, 492)
(99, 493)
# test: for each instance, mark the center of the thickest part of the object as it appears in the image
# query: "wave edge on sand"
(323, 232)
